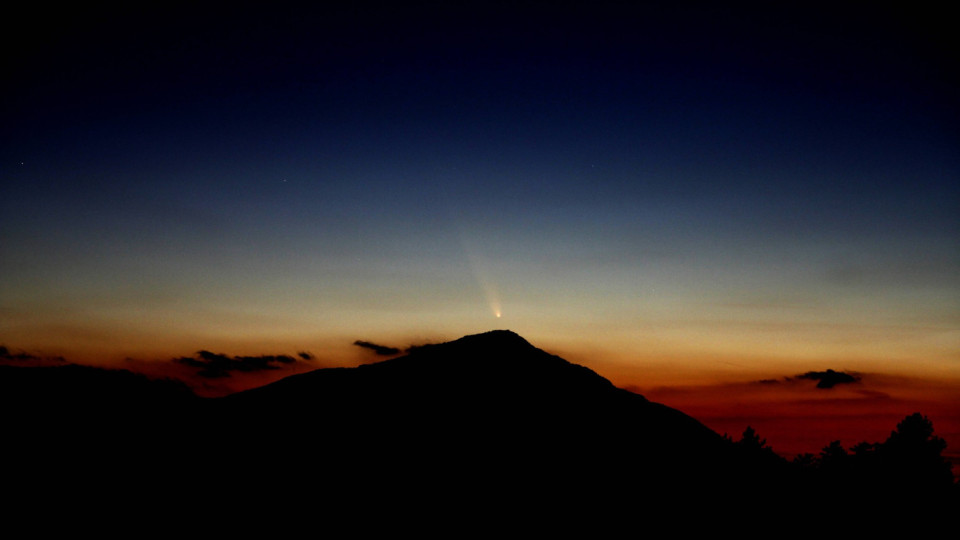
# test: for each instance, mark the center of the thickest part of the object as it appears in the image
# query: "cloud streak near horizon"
(830, 378)
(380, 350)
(8, 356)
(213, 365)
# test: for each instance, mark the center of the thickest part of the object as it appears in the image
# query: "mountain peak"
(478, 366)
(494, 341)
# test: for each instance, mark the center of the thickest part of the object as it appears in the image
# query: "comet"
(480, 272)
(475, 259)
(490, 291)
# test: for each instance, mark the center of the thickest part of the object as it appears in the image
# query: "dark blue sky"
(658, 177)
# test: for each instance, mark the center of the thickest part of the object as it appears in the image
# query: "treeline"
(908, 464)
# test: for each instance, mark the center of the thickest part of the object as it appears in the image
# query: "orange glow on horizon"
(797, 417)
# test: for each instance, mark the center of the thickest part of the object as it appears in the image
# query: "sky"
(676, 195)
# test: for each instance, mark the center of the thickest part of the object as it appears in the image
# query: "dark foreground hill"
(480, 427)
(488, 409)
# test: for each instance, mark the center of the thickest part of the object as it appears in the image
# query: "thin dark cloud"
(11, 357)
(825, 379)
(380, 350)
(829, 378)
(7, 354)
(213, 365)
(875, 394)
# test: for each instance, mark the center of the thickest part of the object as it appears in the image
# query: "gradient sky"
(670, 195)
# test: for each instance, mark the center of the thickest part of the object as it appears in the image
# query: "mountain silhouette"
(475, 428)
(484, 410)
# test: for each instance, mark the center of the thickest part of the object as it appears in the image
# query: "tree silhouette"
(834, 465)
(755, 448)
(912, 458)
(833, 455)
(806, 461)
(907, 467)
(864, 449)
(750, 440)
(834, 459)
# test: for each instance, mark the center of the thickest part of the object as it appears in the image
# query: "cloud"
(825, 379)
(381, 350)
(875, 394)
(6, 354)
(829, 378)
(9, 357)
(214, 365)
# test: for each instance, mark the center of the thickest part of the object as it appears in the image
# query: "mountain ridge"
(442, 427)
(492, 398)
(484, 357)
